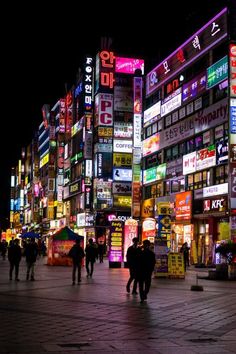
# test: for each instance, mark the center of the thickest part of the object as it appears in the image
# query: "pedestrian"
(77, 254)
(101, 251)
(131, 256)
(4, 245)
(185, 251)
(146, 261)
(31, 252)
(14, 257)
(91, 251)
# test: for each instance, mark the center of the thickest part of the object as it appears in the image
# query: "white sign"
(218, 189)
(105, 114)
(122, 146)
(152, 112)
(189, 163)
(121, 174)
(123, 130)
(171, 105)
(137, 130)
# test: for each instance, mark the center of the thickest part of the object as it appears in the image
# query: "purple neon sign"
(208, 36)
(116, 241)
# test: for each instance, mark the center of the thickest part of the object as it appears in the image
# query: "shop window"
(190, 182)
(182, 150)
(175, 151)
(167, 188)
(174, 186)
(221, 174)
(198, 180)
(154, 128)
(168, 154)
(190, 145)
(199, 142)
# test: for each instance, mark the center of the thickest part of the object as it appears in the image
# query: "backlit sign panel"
(129, 65)
(104, 109)
(121, 174)
(201, 42)
(194, 87)
(122, 160)
(232, 65)
(122, 146)
(123, 130)
(151, 144)
(151, 113)
(183, 206)
(217, 72)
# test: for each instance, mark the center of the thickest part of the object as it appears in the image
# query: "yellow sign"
(163, 208)
(44, 160)
(102, 131)
(122, 201)
(148, 208)
(122, 160)
(176, 265)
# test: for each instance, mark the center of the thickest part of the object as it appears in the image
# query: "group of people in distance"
(141, 262)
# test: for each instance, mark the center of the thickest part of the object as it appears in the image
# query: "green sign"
(217, 72)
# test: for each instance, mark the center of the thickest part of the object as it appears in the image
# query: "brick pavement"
(52, 316)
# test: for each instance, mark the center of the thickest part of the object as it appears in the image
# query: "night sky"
(42, 49)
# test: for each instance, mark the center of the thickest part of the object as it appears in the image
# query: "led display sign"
(129, 65)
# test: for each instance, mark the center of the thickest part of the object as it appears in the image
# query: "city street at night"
(49, 315)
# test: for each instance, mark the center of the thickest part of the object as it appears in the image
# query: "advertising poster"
(176, 265)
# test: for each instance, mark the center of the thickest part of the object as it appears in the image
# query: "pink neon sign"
(129, 65)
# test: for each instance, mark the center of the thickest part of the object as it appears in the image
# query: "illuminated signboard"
(137, 143)
(122, 201)
(215, 190)
(116, 241)
(77, 126)
(121, 174)
(122, 146)
(154, 174)
(151, 113)
(88, 84)
(151, 144)
(189, 163)
(104, 109)
(44, 160)
(106, 72)
(138, 97)
(122, 160)
(194, 87)
(171, 102)
(217, 72)
(103, 131)
(197, 45)
(129, 65)
(232, 65)
(123, 130)
(206, 158)
(121, 188)
(183, 206)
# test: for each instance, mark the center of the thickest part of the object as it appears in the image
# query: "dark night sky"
(42, 48)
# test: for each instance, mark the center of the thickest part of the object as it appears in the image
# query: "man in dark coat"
(31, 252)
(145, 266)
(77, 254)
(91, 251)
(14, 257)
(131, 255)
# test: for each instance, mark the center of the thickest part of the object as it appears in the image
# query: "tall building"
(189, 142)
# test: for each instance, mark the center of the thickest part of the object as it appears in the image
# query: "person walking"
(101, 249)
(14, 257)
(131, 256)
(185, 251)
(31, 252)
(146, 261)
(77, 254)
(91, 251)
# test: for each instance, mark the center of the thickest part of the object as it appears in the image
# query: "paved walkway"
(52, 316)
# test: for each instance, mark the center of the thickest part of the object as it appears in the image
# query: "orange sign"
(183, 206)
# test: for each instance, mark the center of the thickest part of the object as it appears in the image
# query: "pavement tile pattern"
(51, 316)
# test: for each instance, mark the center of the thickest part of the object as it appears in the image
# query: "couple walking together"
(141, 262)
